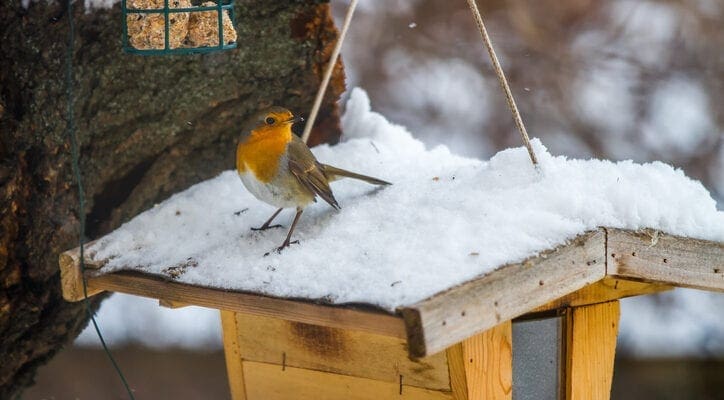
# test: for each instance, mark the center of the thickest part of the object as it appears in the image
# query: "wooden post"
(590, 349)
(232, 353)
(481, 367)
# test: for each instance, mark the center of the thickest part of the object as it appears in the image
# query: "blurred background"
(616, 79)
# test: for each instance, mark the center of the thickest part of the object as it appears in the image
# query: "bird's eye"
(270, 121)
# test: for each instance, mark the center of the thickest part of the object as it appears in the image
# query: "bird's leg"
(267, 224)
(287, 241)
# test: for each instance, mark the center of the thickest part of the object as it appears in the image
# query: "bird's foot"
(284, 245)
(265, 227)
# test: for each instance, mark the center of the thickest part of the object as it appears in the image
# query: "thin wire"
(328, 72)
(503, 82)
(70, 126)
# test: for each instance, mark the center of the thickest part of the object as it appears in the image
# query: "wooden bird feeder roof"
(597, 266)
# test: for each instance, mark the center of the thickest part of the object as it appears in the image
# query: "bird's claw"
(284, 245)
(263, 228)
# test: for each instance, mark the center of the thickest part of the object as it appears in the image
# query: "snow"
(445, 220)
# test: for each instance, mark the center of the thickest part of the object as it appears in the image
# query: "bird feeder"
(483, 339)
(159, 27)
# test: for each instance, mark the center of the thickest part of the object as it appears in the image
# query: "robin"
(278, 168)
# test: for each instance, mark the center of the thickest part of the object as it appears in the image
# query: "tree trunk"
(147, 127)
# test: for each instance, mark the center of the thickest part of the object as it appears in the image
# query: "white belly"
(269, 193)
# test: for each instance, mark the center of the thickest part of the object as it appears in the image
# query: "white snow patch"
(397, 245)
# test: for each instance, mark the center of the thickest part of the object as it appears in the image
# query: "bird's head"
(269, 120)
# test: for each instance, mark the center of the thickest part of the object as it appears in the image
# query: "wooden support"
(339, 351)
(172, 304)
(653, 256)
(269, 382)
(366, 320)
(508, 292)
(232, 354)
(605, 290)
(591, 333)
(71, 277)
(269, 358)
(481, 367)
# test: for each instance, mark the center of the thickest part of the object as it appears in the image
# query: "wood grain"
(232, 354)
(456, 368)
(605, 290)
(71, 278)
(333, 316)
(270, 382)
(461, 312)
(653, 256)
(591, 347)
(488, 361)
(340, 351)
(172, 304)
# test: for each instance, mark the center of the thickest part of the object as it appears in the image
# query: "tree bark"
(147, 127)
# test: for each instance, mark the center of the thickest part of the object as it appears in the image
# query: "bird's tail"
(334, 173)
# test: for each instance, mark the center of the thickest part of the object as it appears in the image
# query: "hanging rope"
(70, 126)
(503, 82)
(328, 72)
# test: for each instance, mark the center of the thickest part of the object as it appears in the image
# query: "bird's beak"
(294, 120)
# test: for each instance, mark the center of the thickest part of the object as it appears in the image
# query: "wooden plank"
(232, 354)
(652, 256)
(269, 382)
(71, 279)
(489, 369)
(452, 316)
(340, 351)
(172, 304)
(591, 347)
(481, 367)
(345, 317)
(456, 368)
(605, 290)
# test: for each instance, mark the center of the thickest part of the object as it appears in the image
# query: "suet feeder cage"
(161, 27)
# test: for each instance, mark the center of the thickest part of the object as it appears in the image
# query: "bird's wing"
(306, 169)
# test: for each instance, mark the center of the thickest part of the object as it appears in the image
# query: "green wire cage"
(158, 27)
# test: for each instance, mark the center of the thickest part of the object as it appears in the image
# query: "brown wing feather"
(308, 172)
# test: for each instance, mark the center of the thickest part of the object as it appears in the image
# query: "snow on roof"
(445, 220)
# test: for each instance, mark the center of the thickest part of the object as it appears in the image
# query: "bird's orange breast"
(260, 153)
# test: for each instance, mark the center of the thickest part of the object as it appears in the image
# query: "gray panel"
(537, 357)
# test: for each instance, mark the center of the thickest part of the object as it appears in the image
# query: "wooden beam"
(346, 317)
(270, 382)
(71, 279)
(508, 292)
(232, 354)
(656, 257)
(590, 350)
(339, 351)
(481, 367)
(605, 290)
(172, 304)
